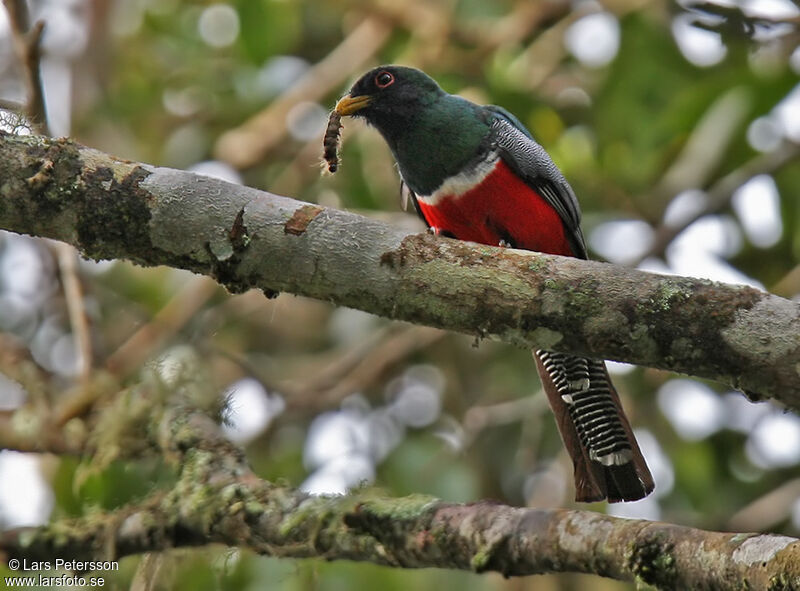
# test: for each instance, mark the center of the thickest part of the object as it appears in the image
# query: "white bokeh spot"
(758, 207)
(684, 207)
(25, 497)
(250, 409)
(775, 441)
(219, 25)
(594, 39)
(701, 47)
(764, 134)
(218, 170)
(787, 113)
(306, 120)
(622, 241)
(693, 409)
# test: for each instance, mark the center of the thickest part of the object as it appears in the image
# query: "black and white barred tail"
(607, 459)
(581, 383)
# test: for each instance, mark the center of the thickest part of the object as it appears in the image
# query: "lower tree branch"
(217, 499)
(244, 238)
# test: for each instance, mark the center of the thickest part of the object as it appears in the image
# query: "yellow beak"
(348, 105)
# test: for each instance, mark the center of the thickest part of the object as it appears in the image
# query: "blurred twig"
(36, 437)
(247, 144)
(720, 194)
(77, 402)
(38, 424)
(512, 28)
(734, 22)
(542, 57)
(353, 369)
(67, 258)
(429, 23)
(789, 285)
(60, 428)
(26, 41)
(360, 367)
(478, 418)
(179, 310)
(704, 149)
(769, 510)
(148, 571)
(434, 24)
(9, 105)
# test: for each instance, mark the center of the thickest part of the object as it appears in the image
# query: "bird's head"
(390, 96)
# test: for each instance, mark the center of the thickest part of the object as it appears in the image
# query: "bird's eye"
(384, 79)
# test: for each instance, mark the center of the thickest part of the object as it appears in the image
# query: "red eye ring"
(384, 79)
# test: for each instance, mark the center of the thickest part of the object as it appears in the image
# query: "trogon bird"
(475, 173)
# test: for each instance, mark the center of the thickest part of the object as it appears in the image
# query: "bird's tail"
(596, 433)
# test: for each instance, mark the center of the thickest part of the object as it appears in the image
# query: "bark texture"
(111, 208)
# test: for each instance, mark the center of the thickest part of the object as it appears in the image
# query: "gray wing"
(531, 163)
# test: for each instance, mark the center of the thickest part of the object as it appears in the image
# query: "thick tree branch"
(244, 238)
(217, 499)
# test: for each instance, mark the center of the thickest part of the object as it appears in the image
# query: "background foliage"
(644, 104)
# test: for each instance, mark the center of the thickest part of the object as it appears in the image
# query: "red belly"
(502, 207)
